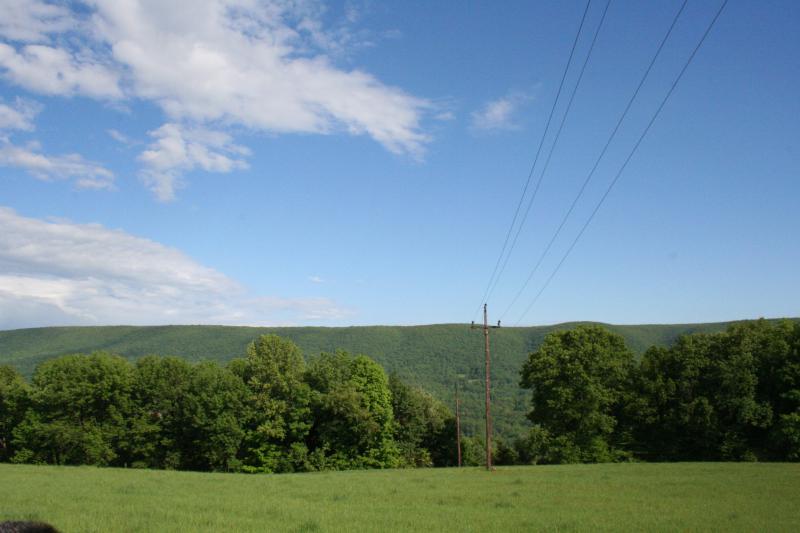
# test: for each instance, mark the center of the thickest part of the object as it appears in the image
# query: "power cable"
(635, 147)
(598, 160)
(552, 146)
(536, 159)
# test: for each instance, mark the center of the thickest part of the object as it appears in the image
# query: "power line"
(553, 145)
(535, 160)
(627, 160)
(598, 160)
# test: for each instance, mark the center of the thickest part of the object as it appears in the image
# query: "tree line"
(730, 396)
(266, 412)
(733, 395)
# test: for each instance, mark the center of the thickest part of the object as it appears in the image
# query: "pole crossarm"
(481, 326)
(486, 327)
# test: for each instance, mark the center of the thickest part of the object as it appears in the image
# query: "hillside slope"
(429, 356)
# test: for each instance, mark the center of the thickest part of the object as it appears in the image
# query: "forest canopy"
(732, 395)
(269, 411)
(729, 396)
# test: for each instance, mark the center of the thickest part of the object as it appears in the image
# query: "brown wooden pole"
(486, 328)
(458, 427)
(488, 391)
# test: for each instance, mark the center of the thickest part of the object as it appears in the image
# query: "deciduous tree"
(278, 405)
(578, 380)
(79, 410)
(353, 418)
(14, 399)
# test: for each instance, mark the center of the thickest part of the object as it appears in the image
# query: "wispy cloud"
(177, 149)
(62, 273)
(499, 114)
(33, 20)
(264, 66)
(315, 279)
(86, 174)
(55, 71)
(121, 137)
(19, 117)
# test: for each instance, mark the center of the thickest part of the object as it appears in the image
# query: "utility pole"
(458, 427)
(486, 328)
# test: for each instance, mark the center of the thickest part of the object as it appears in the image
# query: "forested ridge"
(268, 411)
(730, 395)
(432, 357)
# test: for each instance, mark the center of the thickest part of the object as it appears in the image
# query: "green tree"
(79, 409)
(779, 385)
(279, 415)
(424, 427)
(473, 451)
(723, 396)
(578, 380)
(744, 413)
(158, 425)
(673, 415)
(14, 401)
(210, 410)
(505, 452)
(352, 408)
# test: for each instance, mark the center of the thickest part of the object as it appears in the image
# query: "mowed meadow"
(631, 496)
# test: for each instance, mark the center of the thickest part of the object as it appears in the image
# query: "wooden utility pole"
(458, 427)
(486, 328)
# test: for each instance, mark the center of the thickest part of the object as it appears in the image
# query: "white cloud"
(265, 65)
(54, 71)
(86, 174)
(244, 62)
(499, 114)
(315, 279)
(178, 149)
(32, 20)
(62, 273)
(120, 137)
(18, 116)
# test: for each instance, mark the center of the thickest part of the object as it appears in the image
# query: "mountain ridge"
(431, 356)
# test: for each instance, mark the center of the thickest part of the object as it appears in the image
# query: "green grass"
(611, 497)
(428, 356)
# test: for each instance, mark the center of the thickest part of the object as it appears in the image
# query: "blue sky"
(305, 163)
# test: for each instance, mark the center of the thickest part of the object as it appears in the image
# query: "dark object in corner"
(13, 526)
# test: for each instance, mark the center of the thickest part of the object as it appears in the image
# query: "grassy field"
(666, 497)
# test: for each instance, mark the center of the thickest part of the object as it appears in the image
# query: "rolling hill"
(432, 356)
